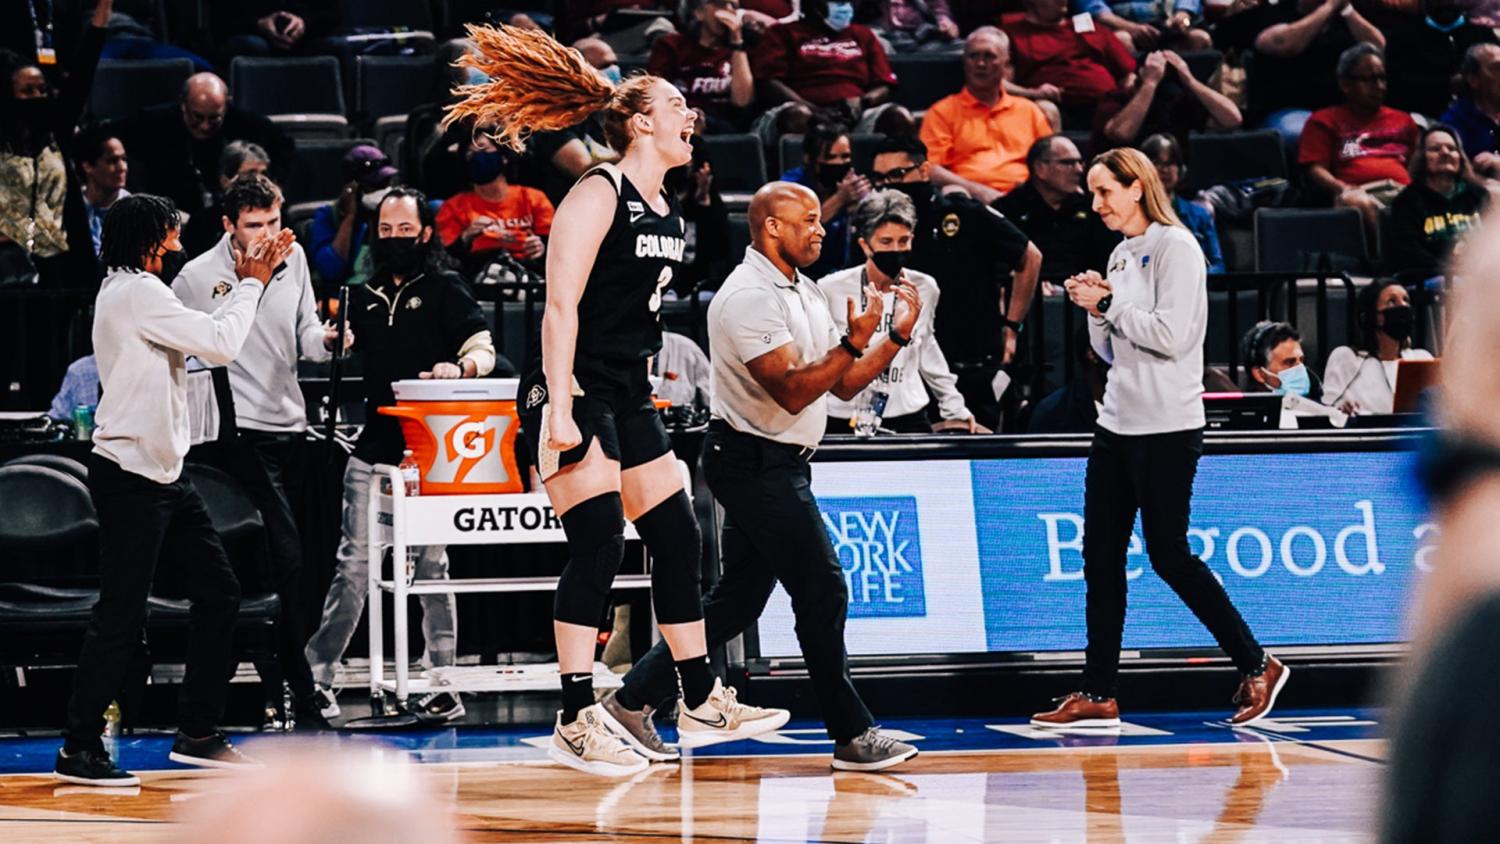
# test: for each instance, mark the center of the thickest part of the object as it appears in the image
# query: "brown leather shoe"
(1258, 694)
(1076, 710)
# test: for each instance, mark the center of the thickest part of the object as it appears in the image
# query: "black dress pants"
(772, 531)
(1153, 474)
(139, 520)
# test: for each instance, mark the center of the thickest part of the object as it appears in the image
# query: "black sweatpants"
(1153, 473)
(772, 531)
(139, 520)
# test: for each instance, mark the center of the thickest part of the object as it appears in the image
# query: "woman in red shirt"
(709, 64)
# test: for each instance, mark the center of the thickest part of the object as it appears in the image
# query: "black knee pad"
(596, 546)
(670, 531)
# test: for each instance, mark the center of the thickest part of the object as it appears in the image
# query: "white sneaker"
(326, 701)
(723, 718)
(589, 746)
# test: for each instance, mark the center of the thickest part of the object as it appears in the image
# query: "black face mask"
(1398, 322)
(891, 263)
(32, 113)
(831, 174)
(172, 264)
(401, 256)
(920, 193)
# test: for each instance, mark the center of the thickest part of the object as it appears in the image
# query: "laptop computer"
(1413, 378)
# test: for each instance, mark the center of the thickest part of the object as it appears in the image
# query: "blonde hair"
(1129, 166)
(538, 85)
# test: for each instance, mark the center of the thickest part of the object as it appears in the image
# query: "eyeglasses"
(1066, 162)
(895, 174)
(1368, 78)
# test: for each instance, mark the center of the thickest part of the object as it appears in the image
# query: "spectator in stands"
(1053, 210)
(1074, 407)
(1166, 97)
(1425, 48)
(1356, 154)
(985, 267)
(340, 230)
(44, 232)
(1476, 112)
(705, 220)
(825, 64)
(206, 228)
(1362, 380)
(709, 64)
(1148, 26)
(80, 387)
(977, 138)
(1273, 360)
(132, 36)
(494, 216)
(1166, 154)
(101, 158)
(885, 223)
(273, 27)
(1433, 213)
(828, 169)
(431, 155)
(558, 159)
(628, 25)
(685, 372)
(179, 144)
(1297, 47)
(922, 27)
(269, 410)
(1055, 61)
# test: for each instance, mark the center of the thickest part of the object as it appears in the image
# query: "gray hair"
(236, 153)
(1472, 56)
(881, 207)
(1351, 56)
(992, 32)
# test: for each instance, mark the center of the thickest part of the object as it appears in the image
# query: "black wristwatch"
(848, 346)
(1104, 303)
(896, 338)
(1017, 327)
(739, 47)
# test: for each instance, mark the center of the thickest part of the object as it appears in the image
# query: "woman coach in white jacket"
(1148, 319)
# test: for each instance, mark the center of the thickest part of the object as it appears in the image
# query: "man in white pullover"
(268, 405)
(142, 338)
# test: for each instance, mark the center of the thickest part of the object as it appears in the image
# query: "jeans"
(1152, 473)
(772, 531)
(135, 47)
(139, 522)
(346, 594)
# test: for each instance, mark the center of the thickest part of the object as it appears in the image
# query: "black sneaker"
(307, 715)
(212, 751)
(438, 707)
(92, 767)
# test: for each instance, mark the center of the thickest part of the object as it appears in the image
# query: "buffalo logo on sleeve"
(950, 225)
(535, 397)
(413, 303)
(221, 289)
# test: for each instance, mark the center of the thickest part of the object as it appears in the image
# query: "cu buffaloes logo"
(535, 396)
(221, 289)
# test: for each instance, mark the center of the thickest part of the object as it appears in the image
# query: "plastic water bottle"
(411, 474)
(111, 736)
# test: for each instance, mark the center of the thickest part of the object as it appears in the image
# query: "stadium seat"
(1203, 63)
(305, 96)
(391, 85)
(1217, 159)
(923, 80)
(739, 236)
(385, 20)
(1083, 139)
(121, 88)
(1310, 240)
(45, 506)
(66, 465)
(739, 167)
(319, 176)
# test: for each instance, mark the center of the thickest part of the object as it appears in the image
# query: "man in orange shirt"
(977, 139)
(494, 215)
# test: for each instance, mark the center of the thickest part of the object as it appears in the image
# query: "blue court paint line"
(802, 737)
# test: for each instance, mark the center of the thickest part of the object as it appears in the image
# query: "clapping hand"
(862, 324)
(263, 256)
(1086, 289)
(908, 308)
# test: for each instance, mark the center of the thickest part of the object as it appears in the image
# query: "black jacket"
(1425, 225)
(1072, 237)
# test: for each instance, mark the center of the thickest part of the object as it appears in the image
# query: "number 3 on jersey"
(661, 282)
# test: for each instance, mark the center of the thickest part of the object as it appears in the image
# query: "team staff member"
(268, 404)
(415, 318)
(985, 266)
(142, 337)
(586, 410)
(1148, 319)
(775, 353)
(884, 223)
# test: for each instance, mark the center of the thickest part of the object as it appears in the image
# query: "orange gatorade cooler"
(462, 432)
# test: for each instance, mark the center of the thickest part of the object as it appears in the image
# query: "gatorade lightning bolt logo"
(467, 446)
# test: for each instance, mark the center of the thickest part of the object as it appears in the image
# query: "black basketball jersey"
(618, 315)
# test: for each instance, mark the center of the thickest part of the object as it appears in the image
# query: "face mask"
(486, 167)
(831, 174)
(1398, 322)
(890, 263)
(172, 264)
(840, 15)
(32, 112)
(920, 193)
(1294, 381)
(371, 200)
(475, 76)
(1458, 21)
(612, 73)
(402, 256)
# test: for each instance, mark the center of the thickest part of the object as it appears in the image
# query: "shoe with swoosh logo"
(723, 718)
(588, 745)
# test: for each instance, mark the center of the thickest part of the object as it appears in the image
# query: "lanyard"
(46, 54)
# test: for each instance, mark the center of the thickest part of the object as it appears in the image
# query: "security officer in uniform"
(985, 267)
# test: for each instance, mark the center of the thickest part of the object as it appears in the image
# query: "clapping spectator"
(1056, 61)
(709, 64)
(1167, 97)
(272, 27)
(1363, 379)
(1426, 48)
(1053, 210)
(495, 215)
(102, 161)
(705, 221)
(828, 169)
(1432, 214)
(340, 230)
(1149, 26)
(823, 63)
(1356, 154)
(1166, 154)
(977, 138)
(1476, 113)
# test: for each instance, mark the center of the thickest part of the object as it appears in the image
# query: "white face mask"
(371, 200)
